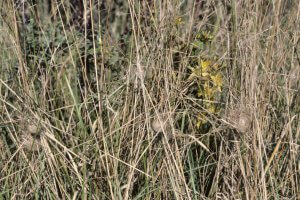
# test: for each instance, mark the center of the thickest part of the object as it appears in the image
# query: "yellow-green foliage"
(208, 76)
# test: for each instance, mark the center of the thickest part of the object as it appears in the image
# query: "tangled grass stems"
(149, 100)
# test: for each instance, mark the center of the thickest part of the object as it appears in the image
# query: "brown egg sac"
(32, 128)
(30, 143)
(30, 136)
(240, 119)
(1, 143)
(160, 124)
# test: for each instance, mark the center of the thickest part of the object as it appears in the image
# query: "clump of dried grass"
(101, 142)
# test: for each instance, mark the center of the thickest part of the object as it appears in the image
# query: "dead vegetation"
(149, 99)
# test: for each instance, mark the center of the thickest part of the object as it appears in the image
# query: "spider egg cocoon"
(159, 124)
(32, 128)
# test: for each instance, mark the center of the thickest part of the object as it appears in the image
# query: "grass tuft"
(149, 99)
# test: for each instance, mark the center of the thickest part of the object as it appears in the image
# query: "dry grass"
(103, 108)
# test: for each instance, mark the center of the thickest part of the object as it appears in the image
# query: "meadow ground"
(150, 99)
